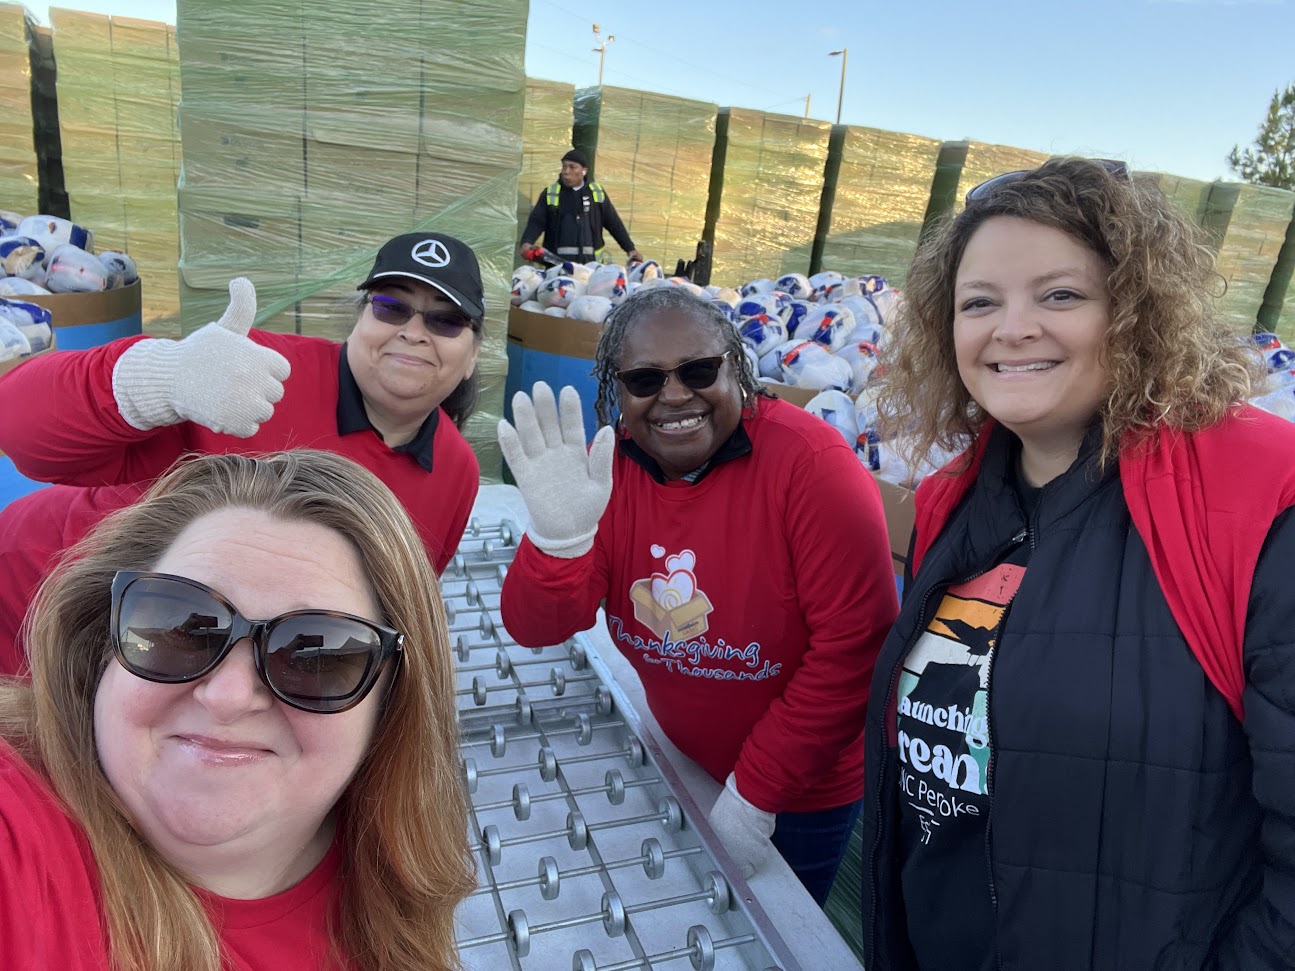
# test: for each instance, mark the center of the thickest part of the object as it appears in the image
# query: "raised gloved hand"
(743, 829)
(566, 488)
(216, 377)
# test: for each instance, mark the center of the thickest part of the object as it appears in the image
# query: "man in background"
(572, 214)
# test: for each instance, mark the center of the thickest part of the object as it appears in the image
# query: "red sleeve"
(49, 915)
(547, 599)
(59, 422)
(846, 588)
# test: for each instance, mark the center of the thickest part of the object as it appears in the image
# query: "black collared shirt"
(734, 447)
(351, 416)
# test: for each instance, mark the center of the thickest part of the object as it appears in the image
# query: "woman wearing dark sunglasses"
(237, 750)
(744, 564)
(1082, 748)
(392, 397)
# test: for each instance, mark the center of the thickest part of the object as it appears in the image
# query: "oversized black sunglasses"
(171, 630)
(985, 189)
(443, 323)
(644, 382)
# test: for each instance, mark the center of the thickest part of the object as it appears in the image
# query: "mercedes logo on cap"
(431, 252)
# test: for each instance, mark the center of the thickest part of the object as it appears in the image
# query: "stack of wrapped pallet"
(18, 171)
(1254, 220)
(765, 212)
(875, 197)
(301, 157)
(1188, 196)
(546, 136)
(652, 153)
(118, 92)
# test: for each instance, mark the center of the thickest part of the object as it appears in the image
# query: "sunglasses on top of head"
(173, 630)
(644, 382)
(986, 189)
(443, 323)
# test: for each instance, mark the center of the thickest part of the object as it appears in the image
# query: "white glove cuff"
(766, 819)
(564, 549)
(141, 384)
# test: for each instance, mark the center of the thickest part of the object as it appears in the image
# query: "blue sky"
(1169, 85)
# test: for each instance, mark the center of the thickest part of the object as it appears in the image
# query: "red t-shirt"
(752, 605)
(51, 915)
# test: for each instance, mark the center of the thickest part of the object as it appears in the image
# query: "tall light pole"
(601, 50)
(845, 55)
(807, 97)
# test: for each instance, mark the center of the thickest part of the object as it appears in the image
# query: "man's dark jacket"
(576, 215)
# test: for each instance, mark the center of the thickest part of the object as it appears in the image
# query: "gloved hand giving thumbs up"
(216, 377)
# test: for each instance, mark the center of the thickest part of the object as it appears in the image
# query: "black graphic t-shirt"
(944, 756)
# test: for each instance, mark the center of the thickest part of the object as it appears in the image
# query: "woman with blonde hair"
(238, 746)
(1082, 748)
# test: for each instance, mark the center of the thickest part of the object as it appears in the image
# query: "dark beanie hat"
(577, 156)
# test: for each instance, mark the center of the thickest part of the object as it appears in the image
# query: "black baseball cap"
(438, 260)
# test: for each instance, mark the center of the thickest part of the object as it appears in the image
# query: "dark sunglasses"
(443, 323)
(985, 189)
(172, 630)
(644, 382)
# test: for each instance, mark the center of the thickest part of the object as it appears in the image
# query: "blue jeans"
(813, 844)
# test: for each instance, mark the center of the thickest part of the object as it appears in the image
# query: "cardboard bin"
(555, 350)
(84, 320)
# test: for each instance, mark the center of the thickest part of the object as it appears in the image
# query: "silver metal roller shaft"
(651, 857)
(700, 951)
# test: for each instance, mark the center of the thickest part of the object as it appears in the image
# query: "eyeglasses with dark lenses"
(443, 323)
(986, 189)
(644, 382)
(173, 630)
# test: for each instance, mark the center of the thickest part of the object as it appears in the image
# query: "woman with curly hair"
(237, 750)
(740, 549)
(1082, 748)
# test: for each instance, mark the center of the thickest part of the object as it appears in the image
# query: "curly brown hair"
(1172, 361)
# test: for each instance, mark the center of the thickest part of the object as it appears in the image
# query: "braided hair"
(674, 301)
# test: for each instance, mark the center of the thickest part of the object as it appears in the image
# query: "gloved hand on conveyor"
(566, 488)
(216, 377)
(743, 829)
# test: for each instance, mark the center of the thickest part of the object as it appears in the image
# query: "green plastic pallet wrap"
(984, 161)
(1253, 234)
(300, 159)
(1188, 196)
(770, 188)
(876, 202)
(19, 182)
(652, 153)
(546, 137)
(1278, 311)
(118, 95)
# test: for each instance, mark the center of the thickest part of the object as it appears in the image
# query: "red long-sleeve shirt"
(751, 604)
(59, 423)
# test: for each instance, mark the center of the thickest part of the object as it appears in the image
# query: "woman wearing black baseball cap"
(392, 397)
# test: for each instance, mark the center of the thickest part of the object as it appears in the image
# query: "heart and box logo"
(669, 604)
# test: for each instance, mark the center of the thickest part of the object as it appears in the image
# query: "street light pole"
(845, 55)
(601, 50)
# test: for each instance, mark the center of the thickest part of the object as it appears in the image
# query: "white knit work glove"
(566, 488)
(216, 377)
(744, 830)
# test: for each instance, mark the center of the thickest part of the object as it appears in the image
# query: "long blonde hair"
(402, 820)
(1172, 360)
